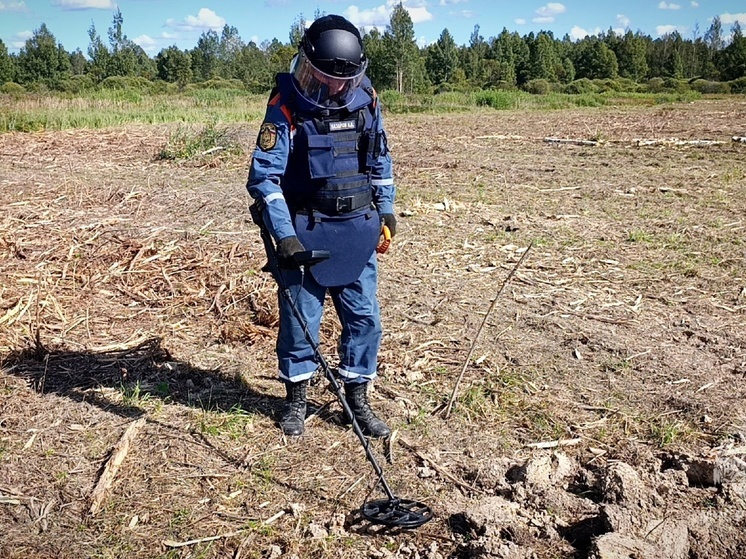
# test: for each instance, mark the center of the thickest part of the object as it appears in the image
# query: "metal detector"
(391, 511)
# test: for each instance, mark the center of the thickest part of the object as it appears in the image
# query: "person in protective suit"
(321, 174)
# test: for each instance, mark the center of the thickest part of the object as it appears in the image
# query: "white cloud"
(695, 4)
(375, 17)
(380, 16)
(18, 41)
(147, 43)
(552, 9)
(577, 33)
(669, 6)
(623, 20)
(668, 29)
(419, 15)
(85, 4)
(468, 14)
(520, 21)
(730, 19)
(205, 19)
(12, 6)
(451, 2)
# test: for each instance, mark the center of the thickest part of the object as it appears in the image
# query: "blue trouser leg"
(358, 311)
(294, 353)
(357, 307)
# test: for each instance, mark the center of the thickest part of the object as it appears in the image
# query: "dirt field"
(137, 335)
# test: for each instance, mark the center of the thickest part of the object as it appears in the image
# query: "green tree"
(122, 61)
(594, 60)
(41, 59)
(279, 56)
(228, 53)
(174, 66)
(98, 55)
(714, 42)
(566, 72)
(631, 54)
(732, 60)
(442, 59)
(544, 61)
(205, 56)
(257, 76)
(473, 57)
(400, 42)
(381, 66)
(297, 30)
(78, 63)
(7, 67)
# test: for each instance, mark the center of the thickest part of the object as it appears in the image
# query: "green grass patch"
(22, 111)
(232, 424)
(116, 107)
(189, 141)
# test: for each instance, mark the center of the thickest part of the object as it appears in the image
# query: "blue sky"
(156, 24)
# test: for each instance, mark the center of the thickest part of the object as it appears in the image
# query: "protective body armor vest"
(332, 153)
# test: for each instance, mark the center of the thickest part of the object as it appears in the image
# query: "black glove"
(286, 248)
(389, 220)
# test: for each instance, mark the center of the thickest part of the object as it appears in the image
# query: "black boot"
(293, 416)
(357, 397)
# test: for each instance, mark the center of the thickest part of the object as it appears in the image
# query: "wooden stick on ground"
(172, 543)
(447, 412)
(118, 453)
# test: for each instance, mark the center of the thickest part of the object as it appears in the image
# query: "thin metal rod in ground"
(449, 407)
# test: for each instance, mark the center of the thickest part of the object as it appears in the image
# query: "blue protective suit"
(325, 176)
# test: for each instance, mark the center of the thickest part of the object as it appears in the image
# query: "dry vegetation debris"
(601, 411)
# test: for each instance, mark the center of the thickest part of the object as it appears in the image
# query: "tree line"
(716, 60)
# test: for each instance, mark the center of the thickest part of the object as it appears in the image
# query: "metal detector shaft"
(274, 268)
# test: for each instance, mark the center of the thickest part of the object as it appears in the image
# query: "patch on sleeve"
(267, 136)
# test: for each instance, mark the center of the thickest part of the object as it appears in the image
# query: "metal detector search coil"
(401, 513)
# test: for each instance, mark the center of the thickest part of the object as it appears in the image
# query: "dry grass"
(131, 289)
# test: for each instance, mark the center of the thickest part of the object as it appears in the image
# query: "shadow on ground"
(136, 375)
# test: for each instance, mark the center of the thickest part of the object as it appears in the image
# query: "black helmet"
(330, 63)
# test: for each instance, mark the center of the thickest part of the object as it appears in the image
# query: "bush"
(75, 84)
(655, 85)
(678, 86)
(142, 85)
(580, 87)
(220, 83)
(627, 85)
(538, 87)
(500, 100)
(738, 85)
(706, 86)
(13, 88)
(160, 87)
(391, 98)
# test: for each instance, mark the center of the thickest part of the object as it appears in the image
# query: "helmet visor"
(323, 89)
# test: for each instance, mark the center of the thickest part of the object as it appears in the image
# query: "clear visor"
(320, 88)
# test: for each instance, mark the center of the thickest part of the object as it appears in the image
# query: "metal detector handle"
(304, 258)
(311, 257)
